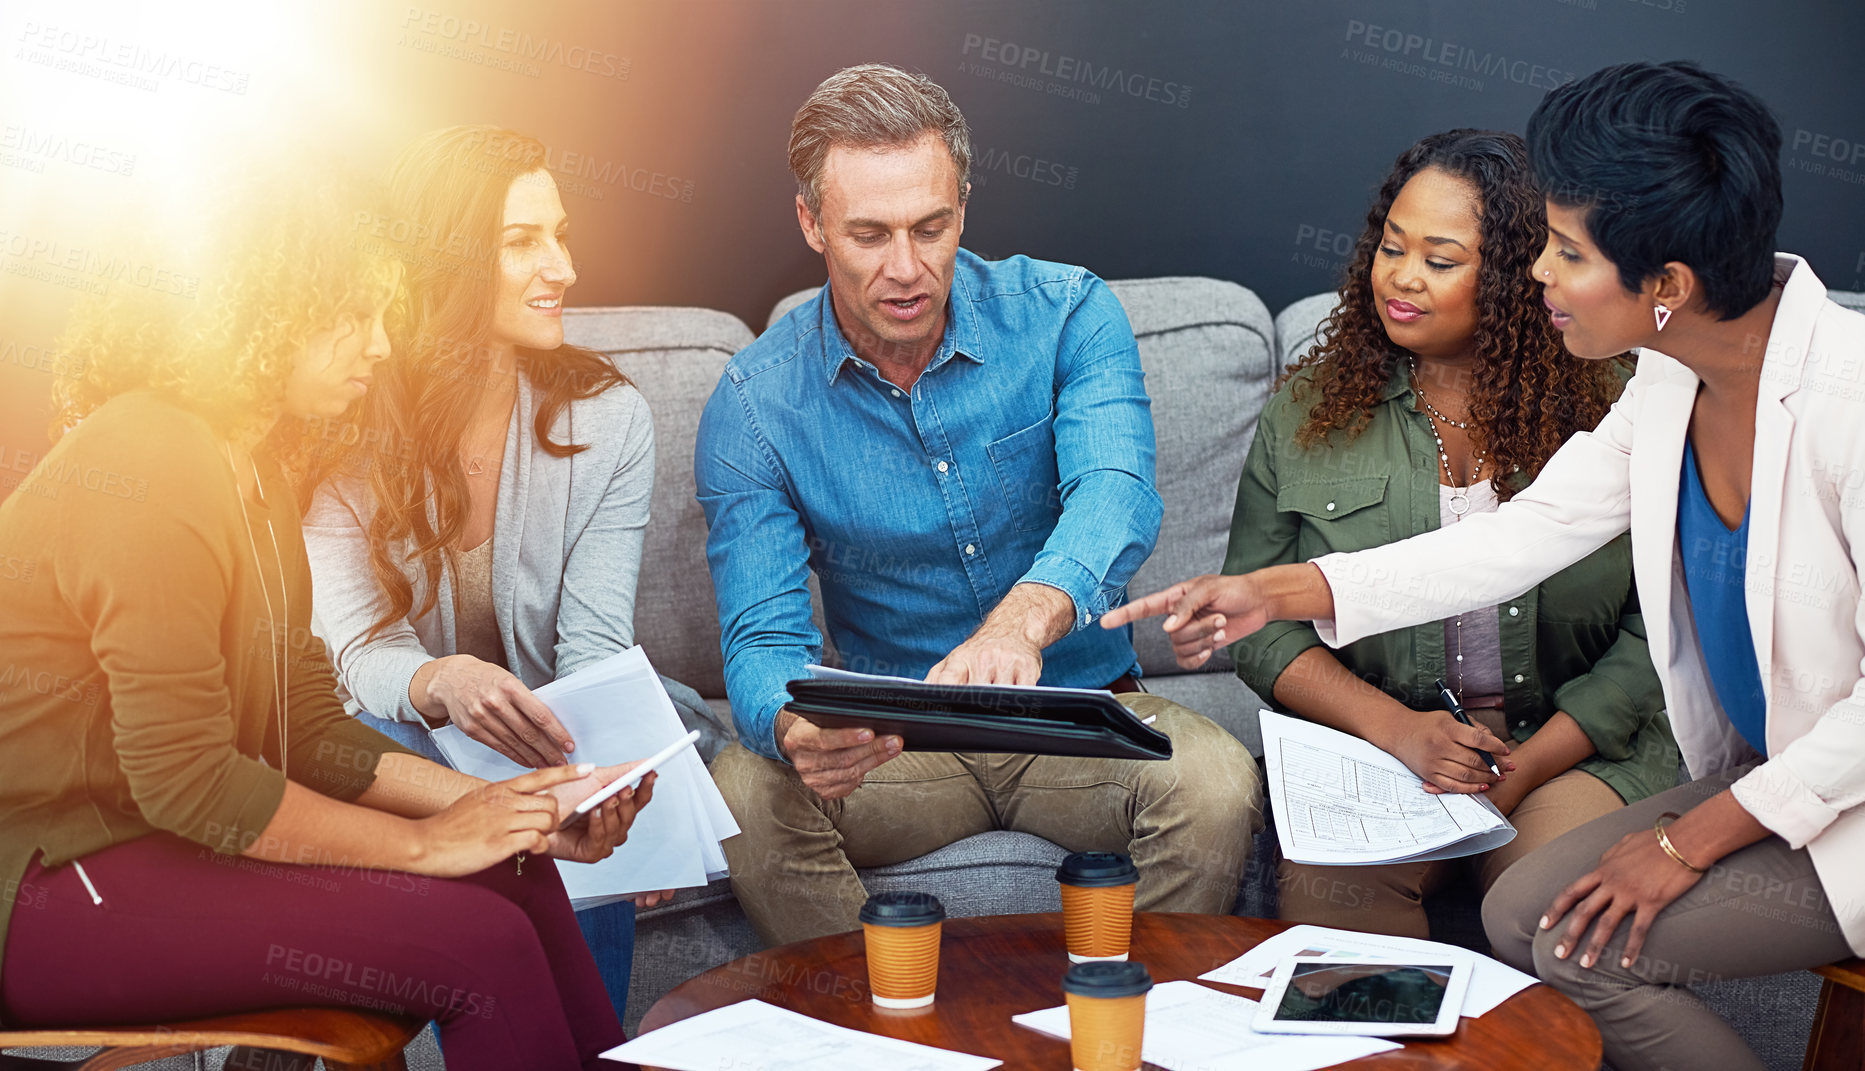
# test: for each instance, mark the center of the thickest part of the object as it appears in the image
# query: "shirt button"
(1518, 678)
(1515, 611)
(1521, 725)
(896, 394)
(1330, 507)
(969, 549)
(943, 466)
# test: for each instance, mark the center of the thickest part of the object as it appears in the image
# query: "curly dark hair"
(1528, 394)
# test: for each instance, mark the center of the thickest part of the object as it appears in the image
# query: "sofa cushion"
(1299, 325)
(1208, 348)
(675, 357)
(996, 873)
(786, 303)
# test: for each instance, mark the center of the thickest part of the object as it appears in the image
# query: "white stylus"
(631, 778)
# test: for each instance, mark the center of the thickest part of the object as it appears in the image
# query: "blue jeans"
(609, 929)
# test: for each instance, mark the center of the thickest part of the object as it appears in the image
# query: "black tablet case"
(982, 717)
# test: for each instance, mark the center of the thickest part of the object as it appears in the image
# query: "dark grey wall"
(1232, 138)
(1211, 137)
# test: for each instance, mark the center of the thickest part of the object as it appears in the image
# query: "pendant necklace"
(1460, 495)
(1459, 503)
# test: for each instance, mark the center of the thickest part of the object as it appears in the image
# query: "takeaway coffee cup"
(1097, 904)
(1106, 1014)
(903, 947)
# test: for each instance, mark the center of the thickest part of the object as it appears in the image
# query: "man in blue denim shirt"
(962, 451)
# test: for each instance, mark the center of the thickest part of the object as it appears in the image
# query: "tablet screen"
(1364, 993)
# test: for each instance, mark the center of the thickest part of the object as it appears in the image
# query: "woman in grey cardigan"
(477, 533)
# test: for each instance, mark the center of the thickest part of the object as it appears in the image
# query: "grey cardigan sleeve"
(345, 601)
(596, 612)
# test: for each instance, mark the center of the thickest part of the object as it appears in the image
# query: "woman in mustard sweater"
(189, 822)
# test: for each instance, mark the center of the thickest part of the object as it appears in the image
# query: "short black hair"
(1671, 162)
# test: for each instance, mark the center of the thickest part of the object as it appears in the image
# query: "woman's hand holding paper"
(1442, 750)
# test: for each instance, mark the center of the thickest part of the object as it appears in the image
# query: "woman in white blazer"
(1735, 457)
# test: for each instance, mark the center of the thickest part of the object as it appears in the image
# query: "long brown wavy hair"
(1528, 395)
(447, 194)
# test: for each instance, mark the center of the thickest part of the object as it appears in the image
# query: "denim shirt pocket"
(1337, 514)
(1025, 462)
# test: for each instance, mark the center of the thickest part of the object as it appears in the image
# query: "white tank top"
(1476, 677)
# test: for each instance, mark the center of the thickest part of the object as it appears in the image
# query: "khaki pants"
(1186, 821)
(1390, 898)
(1760, 910)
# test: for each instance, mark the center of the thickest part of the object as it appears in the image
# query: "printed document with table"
(1340, 801)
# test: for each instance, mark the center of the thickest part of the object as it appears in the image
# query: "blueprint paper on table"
(754, 1036)
(1340, 801)
(617, 711)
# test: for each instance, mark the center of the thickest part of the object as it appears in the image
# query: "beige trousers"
(1760, 910)
(1186, 821)
(1391, 898)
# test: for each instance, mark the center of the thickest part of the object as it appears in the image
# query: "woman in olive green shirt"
(1439, 389)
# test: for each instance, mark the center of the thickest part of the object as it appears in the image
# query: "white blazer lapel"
(1774, 429)
(1657, 465)
(1783, 364)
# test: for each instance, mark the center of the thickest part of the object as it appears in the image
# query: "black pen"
(1457, 711)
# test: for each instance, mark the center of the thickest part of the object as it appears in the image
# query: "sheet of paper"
(1491, 980)
(754, 1036)
(617, 711)
(1193, 1028)
(829, 673)
(1340, 801)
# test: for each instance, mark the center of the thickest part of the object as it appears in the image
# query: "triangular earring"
(1662, 315)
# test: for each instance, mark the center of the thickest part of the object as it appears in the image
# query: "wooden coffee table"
(995, 967)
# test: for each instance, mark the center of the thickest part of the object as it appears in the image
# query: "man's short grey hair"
(873, 105)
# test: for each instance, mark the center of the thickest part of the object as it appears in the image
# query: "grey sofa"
(1211, 353)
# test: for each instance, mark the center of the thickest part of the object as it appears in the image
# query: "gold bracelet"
(1664, 841)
